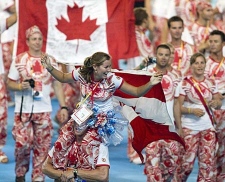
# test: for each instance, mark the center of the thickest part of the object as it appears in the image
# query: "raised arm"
(58, 75)
(141, 90)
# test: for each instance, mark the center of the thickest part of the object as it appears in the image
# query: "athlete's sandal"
(3, 157)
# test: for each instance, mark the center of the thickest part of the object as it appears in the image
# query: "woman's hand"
(45, 61)
(214, 103)
(198, 112)
(156, 78)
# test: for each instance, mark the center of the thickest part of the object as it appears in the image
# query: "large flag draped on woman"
(148, 115)
(75, 29)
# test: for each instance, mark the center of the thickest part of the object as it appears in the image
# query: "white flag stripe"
(148, 108)
(152, 108)
(129, 113)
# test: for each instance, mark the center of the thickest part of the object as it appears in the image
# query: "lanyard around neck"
(214, 73)
(86, 97)
(181, 55)
(202, 99)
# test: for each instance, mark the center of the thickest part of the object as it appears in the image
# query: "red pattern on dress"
(62, 158)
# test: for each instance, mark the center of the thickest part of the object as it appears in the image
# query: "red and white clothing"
(199, 133)
(7, 38)
(182, 61)
(143, 42)
(208, 88)
(35, 135)
(102, 96)
(161, 10)
(144, 46)
(4, 4)
(162, 159)
(220, 155)
(3, 93)
(2, 29)
(169, 83)
(216, 70)
(25, 67)
(88, 154)
(162, 156)
(200, 33)
(176, 75)
(201, 144)
(186, 10)
(31, 133)
(3, 113)
(220, 18)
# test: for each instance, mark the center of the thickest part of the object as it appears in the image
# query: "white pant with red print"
(3, 113)
(34, 135)
(201, 144)
(220, 155)
(162, 158)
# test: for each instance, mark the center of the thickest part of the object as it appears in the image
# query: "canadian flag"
(148, 115)
(75, 29)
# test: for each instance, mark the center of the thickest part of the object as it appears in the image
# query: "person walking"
(32, 128)
(215, 69)
(198, 96)
(4, 24)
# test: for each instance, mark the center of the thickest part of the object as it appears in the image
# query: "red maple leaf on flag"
(75, 28)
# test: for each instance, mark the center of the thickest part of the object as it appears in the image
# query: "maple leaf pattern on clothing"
(200, 33)
(169, 83)
(186, 10)
(184, 54)
(102, 91)
(27, 65)
(68, 153)
(80, 29)
(168, 88)
(211, 69)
